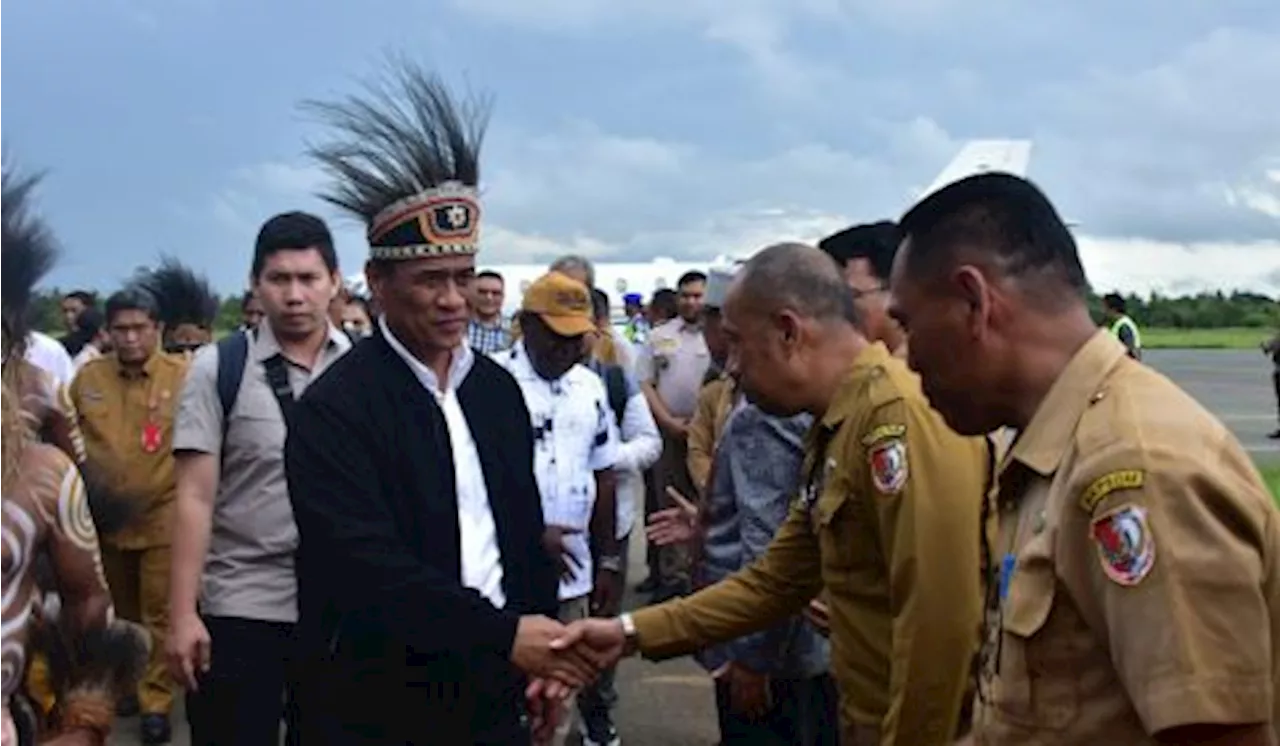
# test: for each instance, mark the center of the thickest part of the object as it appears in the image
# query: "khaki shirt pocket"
(845, 551)
(1036, 683)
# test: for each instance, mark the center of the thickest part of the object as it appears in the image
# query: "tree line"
(1202, 311)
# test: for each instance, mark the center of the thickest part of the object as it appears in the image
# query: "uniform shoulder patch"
(887, 461)
(883, 432)
(1126, 548)
(1122, 479)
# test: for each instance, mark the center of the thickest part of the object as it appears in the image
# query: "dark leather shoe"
(156, 730)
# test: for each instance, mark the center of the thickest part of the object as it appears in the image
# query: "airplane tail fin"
(980, 156)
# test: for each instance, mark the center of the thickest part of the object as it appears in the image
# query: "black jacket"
(395, 648)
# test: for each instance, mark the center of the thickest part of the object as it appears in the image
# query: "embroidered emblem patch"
(888, 462)
(883, 432)
(1125, 545)
(1124, 479)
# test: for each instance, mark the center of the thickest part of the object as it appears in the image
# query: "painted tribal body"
(45, 511)
(48, 411)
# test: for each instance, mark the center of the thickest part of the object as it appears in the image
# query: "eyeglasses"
(859, 293)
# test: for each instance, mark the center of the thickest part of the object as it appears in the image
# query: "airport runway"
(1233, 384)
(672, 704)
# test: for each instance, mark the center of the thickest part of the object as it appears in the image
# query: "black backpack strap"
(278, 378)
(233, 352)
(615, 385)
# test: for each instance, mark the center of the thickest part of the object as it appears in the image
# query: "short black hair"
(294, 231)
(132, 299)
(90, 322)
(692, 275)
(875, 242)
(490, 274)
(1006, 218)
(84, 296)
(664, 301)
(244, 299)
(1115, 302)
(599, 303)
(799, 277)
(363, 302)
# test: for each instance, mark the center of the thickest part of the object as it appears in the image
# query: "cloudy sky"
(628, 129)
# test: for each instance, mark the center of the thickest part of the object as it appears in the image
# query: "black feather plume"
(182, 296)
(29, 251)
(103, 663)
(404, 136)
(113, 511)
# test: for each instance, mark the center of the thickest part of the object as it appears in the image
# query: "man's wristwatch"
(610, 562)
(629, 633)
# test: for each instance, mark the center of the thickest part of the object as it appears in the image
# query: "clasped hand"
(560, 659)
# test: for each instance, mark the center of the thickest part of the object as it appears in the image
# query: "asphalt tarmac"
(671, 704)
(1233, 384)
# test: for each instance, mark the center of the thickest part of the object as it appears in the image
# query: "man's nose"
(451, 296)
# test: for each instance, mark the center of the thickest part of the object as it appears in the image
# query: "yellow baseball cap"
(562, 302)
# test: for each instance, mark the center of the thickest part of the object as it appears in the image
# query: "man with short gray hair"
(887, 517)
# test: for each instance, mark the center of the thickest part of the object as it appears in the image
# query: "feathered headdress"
(406, 161)
(90, 670)
(182, 296)
(28, 253)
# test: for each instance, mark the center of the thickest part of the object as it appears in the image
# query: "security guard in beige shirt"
(1134, 592)
(887, 516)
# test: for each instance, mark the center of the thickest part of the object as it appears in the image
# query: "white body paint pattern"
(21, 536)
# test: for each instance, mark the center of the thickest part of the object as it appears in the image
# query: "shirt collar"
(266, 345)
(1043, 442)
(459, 366)
(147, 370)
(869, 362)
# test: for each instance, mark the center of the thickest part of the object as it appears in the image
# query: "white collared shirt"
(481, 557)
(574, 436)
(48, 354)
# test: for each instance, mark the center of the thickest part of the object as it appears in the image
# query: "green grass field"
(1271, 474)
(1205, 339)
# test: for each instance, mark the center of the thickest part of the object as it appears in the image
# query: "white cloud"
(1144, 266)
(1172, 152)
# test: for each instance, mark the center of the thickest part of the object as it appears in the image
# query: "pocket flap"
(1031, 592)
(829, 505)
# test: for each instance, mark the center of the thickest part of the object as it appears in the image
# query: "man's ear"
(788, 326)
(974, 291)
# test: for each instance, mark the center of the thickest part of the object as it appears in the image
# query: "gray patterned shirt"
(756, 472)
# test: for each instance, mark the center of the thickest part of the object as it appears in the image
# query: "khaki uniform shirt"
(889, 521)
(127, 421)
(715, 402)
(1137, 586)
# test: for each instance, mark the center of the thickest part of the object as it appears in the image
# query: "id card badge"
(150, 437)
(1007, 565)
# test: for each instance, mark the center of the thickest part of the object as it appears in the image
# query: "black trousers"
(805, 713)
(248, 689)
(1275, 381)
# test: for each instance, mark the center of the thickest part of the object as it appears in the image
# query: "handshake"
(560, 659)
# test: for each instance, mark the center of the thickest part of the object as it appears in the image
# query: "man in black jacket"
(422, 578)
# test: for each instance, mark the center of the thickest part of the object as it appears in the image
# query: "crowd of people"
(898, 489)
